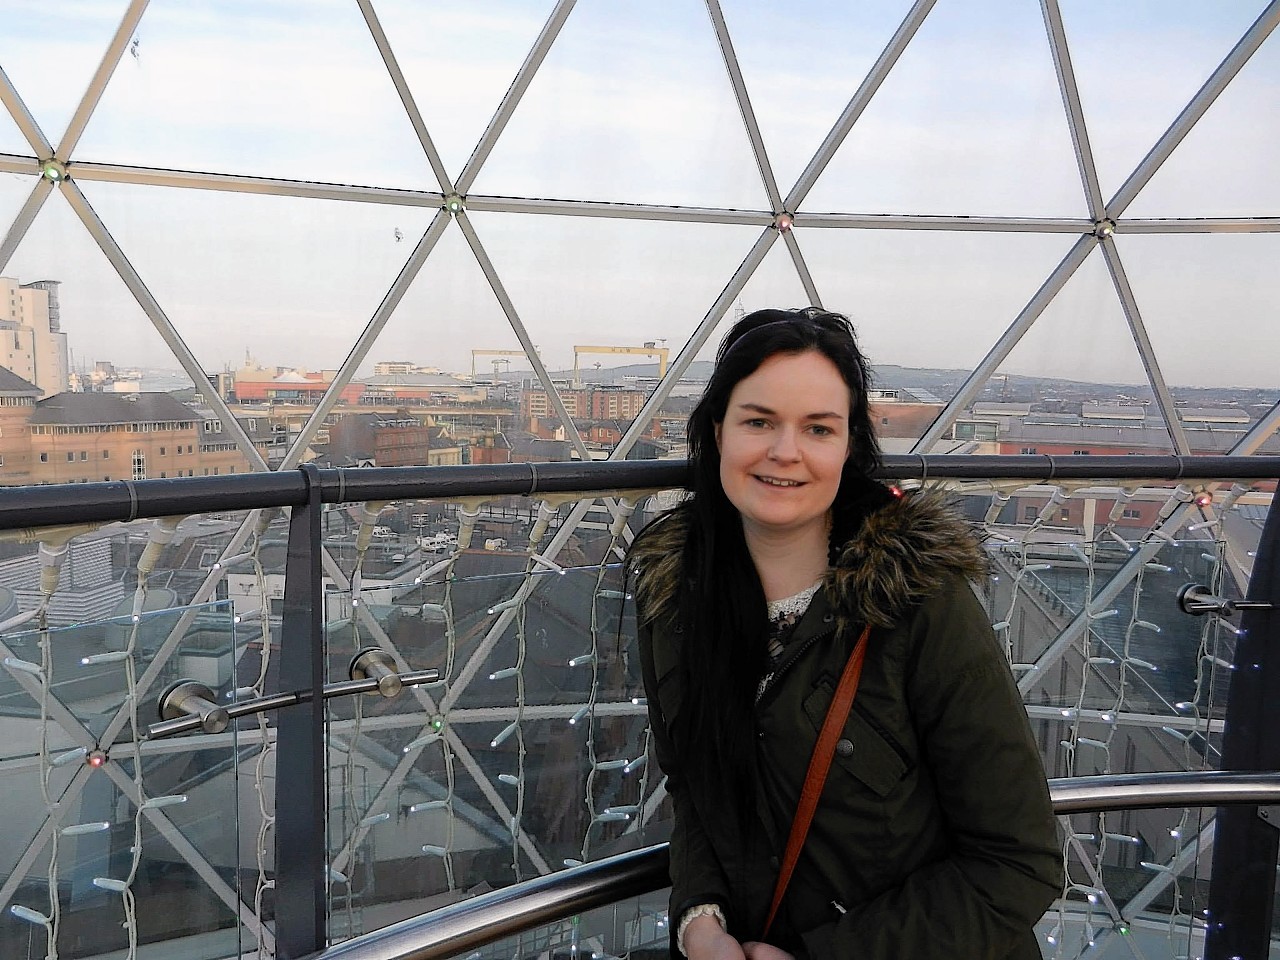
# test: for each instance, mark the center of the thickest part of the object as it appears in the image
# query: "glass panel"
(1137, 66)
(1139, 685)
(1222, 168)
(631, 104)
(459, 61)
(917, 331)
(50, 58)
(247, 91)
(1101, 363)
(1140, 877)
(267, 287)
(11, 138)
(635, 927)
(801, 64)
(105, 409)
(774, 284)
(113, 840)
(622, 339)
(1190, 285)
(537, 719)
(448, 312)
(14, 190)
(969, 121)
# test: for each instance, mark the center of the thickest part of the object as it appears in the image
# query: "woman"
(933, 836)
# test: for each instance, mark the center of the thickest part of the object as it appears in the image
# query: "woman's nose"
(784, 446)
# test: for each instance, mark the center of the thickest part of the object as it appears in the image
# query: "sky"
(633, 104)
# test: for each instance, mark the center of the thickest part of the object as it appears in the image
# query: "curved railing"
(474, 923)
(313, 898)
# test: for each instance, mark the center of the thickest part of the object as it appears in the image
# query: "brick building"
(17, 403)
(87, 437)
(391, 440)
(590, 402)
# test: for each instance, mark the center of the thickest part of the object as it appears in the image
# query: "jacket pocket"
(862, 751)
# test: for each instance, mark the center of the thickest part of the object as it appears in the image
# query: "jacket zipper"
(770, 679)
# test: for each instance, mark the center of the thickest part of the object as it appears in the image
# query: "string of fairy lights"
(1109, 675)
(619, 790)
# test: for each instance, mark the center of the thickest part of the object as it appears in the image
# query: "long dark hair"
(721, 604)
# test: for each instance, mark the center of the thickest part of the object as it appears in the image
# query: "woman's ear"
(719, 424)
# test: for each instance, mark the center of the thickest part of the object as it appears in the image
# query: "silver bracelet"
(701, 910)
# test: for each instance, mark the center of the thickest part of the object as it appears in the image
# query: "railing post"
(300, 755)
(1242, 889)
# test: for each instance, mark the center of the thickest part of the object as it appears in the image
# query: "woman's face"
(783, 442)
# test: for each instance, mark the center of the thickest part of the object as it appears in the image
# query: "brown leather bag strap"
(819, 765)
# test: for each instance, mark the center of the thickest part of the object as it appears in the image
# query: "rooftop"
(93, 408)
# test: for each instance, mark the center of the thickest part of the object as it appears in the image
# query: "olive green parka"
(934, 836)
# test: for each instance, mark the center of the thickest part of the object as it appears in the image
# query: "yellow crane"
(650, 349)
(491, 353)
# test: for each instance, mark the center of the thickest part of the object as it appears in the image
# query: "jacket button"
(844, 747)
(828, 618)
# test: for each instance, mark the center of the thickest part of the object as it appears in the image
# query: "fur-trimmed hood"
(900, 555)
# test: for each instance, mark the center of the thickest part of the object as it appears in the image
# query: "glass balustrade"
(113, 842)
(530, 751)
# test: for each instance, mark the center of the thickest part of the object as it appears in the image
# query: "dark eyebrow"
(823, 415)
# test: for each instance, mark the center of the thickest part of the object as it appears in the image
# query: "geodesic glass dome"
(1083, 193)
(1008, 198)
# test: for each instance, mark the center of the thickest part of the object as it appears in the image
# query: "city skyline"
(280, 271)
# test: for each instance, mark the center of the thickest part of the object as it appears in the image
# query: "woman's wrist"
(698, 920)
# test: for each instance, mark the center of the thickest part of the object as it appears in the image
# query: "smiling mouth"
(775, 482)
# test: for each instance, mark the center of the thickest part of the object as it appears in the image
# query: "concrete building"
(32, 344)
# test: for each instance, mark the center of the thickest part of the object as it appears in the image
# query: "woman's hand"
(705, 939)
(754, 950)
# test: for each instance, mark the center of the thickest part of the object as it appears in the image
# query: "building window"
(84, 455)
(44, 458)
(139, 465)
(1028, 450)
(106, 454)
(162, 451)
(70, 457)
(1079, 453)
(1130, 513)
(1064, 515)
(1029, 514)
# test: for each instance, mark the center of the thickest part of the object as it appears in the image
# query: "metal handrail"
(123, 500)
(493, 916)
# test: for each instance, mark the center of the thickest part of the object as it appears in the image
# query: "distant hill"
(944, 383)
